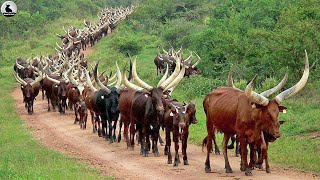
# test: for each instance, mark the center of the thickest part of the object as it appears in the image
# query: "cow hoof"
(207, 169)
(169, 161)
(165, 152)
(268, 170)
(145, 154)
(217, 152)
(156, 154)
(176, 163)
(162, 143)
(248, 172)
(237, 155)
(179, 161)
(229, 170)
(242, 168)
(185, 162)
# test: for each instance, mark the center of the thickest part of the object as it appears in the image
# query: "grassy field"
(296, 148)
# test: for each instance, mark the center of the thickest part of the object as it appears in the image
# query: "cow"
(83, 113)
(59, 93)
(30, 90)
(177, 119)
(245, 113)
(147, 107)
(112, 110)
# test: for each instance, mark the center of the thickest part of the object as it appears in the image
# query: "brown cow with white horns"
(247, 114)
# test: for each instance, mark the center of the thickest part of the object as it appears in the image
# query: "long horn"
(58, 45)
(165, 51)
(127, 83)
(118, 84)
(297, 87)
(21, 81)
(39, 78)
(113, 77)
(253, 96)
(230, 80)
(64, 29)
(95, 74)
(176, 81)
(71, 78)
(195, 64)
(164, 77)
(137, 79)
(18, 65)
(89, 83)
(269, 92)
(173, 75)
(53, 80)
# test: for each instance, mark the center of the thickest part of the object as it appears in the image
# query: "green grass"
(294, 149)
(22, 157)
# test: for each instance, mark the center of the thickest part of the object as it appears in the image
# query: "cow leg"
(120, 126)
(110, 131)
(155, 142)
(210, 130)
(160, 140)
(144, 136)
(225, 153)
(184, 145)
(168, 145)
(265, 156)
(244, 154)
(253, 155)
(97, 124)
(176, 145)
(216, 148)
(132, 134)
(48, 103)
(94, 128)
(237, 146)
(76, 114)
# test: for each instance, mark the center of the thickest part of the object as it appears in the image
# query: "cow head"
(191, 113)
(266, 111)
(178, 113)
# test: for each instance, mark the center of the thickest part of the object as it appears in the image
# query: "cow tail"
(204, 142)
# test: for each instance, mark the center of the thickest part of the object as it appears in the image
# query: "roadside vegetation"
(264, 38)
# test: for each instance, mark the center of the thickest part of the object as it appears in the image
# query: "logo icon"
(9, 8)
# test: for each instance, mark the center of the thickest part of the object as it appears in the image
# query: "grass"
(22, 157)
(294, 149)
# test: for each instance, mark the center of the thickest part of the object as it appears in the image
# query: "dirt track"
(59, 133)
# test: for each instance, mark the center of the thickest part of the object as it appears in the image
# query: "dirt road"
(59, 133)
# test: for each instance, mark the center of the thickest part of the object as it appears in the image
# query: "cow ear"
(281, 122)
(283, 109)
(256, 106)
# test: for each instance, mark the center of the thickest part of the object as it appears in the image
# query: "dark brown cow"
(177, 119)
(147, 107)
(83, 112)
(30, 89)
(246, 114)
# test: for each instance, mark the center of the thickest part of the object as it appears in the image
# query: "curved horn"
(95, 74)
(253, 96)
(89, 83)
(137, 79)
(176, 81)
(195, 64)
(297, 87)
(164, 77)
(38, 79)
(127, 83)
(165, 51)
(173, 75)
(230, 80)
(64, 29)
(18, 65)
(71, 78)
(118, 84)
(21, 81)
(269, 92)
(53, 80)
(113, 77)
(58, 45)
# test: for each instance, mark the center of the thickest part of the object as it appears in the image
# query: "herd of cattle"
(245, 116)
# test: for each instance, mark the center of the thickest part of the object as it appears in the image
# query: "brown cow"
(246, 114)
(83, 113)
(177, 119)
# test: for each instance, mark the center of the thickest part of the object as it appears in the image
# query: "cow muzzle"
(276, 135)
